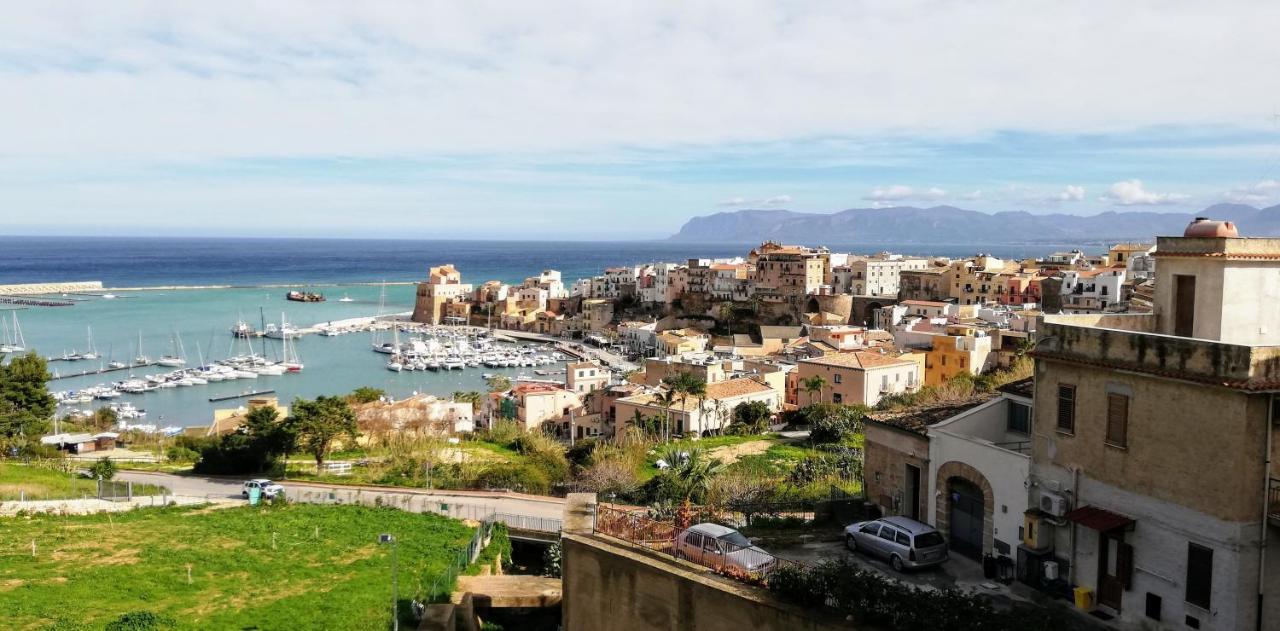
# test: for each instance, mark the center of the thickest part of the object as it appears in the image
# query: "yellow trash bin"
(1084, 598)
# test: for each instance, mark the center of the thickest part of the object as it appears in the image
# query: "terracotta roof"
(1257, 384)
(861, 360)
(919, 419)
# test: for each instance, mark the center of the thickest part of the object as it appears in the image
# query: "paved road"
(473, 503)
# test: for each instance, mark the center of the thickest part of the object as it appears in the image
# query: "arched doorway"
(965, 513)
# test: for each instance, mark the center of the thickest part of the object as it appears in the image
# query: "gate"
(966, 515)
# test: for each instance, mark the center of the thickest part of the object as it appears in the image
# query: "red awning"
(1099, 519)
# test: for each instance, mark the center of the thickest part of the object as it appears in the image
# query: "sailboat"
(91, 353)
(176, 359)
(13, 342)
(291, 361)
(141, 359)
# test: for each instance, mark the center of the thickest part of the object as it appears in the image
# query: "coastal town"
(694, 316)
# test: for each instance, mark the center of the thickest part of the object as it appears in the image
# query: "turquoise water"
(202, 318)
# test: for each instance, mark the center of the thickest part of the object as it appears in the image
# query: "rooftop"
(919, 419)
(862, 360)
(1021, 388)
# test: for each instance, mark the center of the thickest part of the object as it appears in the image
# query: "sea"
(184, 294)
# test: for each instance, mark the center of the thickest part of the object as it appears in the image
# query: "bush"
(502, 432)
(750, 418)
(103, 469)
(141, 621)
(181, 454)
(365, 394)
(524, 479)
(551, 560)
(831, 423)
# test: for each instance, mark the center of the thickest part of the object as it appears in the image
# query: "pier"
(35, 302)
(100, 371)
(240, 396)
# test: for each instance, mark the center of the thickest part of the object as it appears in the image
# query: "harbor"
(195, 363)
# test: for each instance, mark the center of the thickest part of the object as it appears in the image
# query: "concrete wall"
(610, 585)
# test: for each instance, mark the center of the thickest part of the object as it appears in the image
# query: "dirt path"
(730, 454)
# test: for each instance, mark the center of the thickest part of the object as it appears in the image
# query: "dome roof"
(1205, 227)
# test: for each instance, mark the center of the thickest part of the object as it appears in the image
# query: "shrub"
(141, 621)
(181, 454)
(551, 560)
(502, 432)
(366, 394)
(515, 477)
(103, 468)
(832, 423)
(750, 418)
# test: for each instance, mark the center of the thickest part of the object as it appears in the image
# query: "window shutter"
(1117, 419)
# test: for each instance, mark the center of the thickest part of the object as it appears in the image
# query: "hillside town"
(1084, 466)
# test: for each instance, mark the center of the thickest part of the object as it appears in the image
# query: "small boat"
(108, 296)
(242, 329)
(304, 296)
(395, 366)
(346, 298)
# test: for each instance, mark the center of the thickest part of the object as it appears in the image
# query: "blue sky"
(621, 121)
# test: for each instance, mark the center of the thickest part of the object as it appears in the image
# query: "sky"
(620, 120)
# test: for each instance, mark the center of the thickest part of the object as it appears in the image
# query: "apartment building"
(1152, 450)
(877, 275)
(706, 415)
(930, 283)
(788, 272)
(585, 377)
(1092, 290)
(860, 377)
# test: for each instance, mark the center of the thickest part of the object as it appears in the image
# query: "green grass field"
(45, 483)
(323, 569)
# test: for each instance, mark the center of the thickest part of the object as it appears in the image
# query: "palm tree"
(814, 384)
(726, 315)
(471, 396)
(684, 385)
(667, 398)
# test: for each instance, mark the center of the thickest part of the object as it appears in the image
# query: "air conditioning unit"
(1053, 504)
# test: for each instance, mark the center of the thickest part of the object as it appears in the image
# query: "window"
(887, 533)
(836, 397)
(903, 539)
(884, 381)
(1019, 418)
(1117, 420)
(871, 529)
(836, 378)
(1066, 408)
(694, 539)
(1199, 575)
(709, 544)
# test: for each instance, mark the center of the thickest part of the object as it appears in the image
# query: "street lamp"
(388, 539)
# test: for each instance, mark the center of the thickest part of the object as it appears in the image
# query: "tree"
(667, 398)
(268, 433)
(366, 394)
(103, 469)
(25, 403)
(471, 396)
(687, 476)
(814, 384)
(726, 315)
(320, 422)
(104, 419)
(683, 385)
(751, 417)
(498, 383)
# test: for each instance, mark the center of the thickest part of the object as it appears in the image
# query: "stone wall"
(612, 585)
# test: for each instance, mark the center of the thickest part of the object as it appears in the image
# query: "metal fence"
(526, 522)
(442, 584)
(748, 564)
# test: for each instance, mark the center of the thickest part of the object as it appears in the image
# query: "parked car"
(903, 542)
(719, 547)
(269, 489)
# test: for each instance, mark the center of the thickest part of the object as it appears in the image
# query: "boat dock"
(240, 396)
(36, 302)
(100, 371)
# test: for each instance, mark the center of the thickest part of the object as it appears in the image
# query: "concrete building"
(861, 377)
(707, 415)
(1092, 290)
(443, 286)
(958, 348)
(533, 404)
(585, 376)
(638, 337)
(681, 341)
(1150, 445)
(930, 283)
(876, 275)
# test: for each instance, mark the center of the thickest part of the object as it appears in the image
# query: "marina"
(172, 356)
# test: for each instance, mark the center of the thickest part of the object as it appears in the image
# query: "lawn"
(34, 482)
(290, 567)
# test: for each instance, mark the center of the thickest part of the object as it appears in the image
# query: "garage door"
(965, 536)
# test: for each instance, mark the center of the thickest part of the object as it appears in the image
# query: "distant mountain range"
(948, 224)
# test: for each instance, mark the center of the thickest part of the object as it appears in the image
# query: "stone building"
(443, 286)
(1150, 462)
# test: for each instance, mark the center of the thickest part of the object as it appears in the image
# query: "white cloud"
(295, 78)
(1263, 192)
(972, 196)
(744, 202)
(1132, 193)
(901, 193)
(1071, 193)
